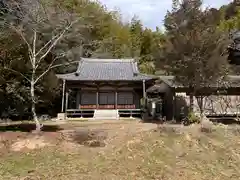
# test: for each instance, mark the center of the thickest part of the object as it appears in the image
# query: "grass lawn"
(130, 151)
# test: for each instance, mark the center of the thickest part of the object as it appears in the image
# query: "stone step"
(106, 117)
(106, 114)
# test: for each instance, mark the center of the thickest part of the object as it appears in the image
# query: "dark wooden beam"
(63, 94)
(116, 97)
(97, 97)
(96, 84)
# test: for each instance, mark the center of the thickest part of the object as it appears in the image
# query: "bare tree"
(41, 26)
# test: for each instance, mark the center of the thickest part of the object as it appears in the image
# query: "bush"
(193, 119)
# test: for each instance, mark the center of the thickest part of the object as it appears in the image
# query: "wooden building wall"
(176, 102)
(91, 95)
(212, 105)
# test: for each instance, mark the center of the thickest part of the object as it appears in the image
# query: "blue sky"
(151, 12)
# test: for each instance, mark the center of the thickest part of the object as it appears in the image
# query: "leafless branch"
(25, 40)
(18, 73)
(59, 36)
(65, 64)
(34, 49)
(49, 42)
(51, 66)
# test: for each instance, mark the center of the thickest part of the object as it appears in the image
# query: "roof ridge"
(125, 60)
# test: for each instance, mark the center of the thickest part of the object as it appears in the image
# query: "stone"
(61, 116)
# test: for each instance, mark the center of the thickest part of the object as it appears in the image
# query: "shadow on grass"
(162, 121)
(218, 120)
(226, 121)
(28, 127)
(90, 138)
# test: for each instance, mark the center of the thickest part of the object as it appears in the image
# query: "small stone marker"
(61, 116)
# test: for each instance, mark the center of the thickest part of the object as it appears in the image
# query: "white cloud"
(151, 12)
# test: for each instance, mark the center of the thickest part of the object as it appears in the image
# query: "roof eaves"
(163, 79)
(147, 76)
(230, 79)
(64, 76)
(170, 81)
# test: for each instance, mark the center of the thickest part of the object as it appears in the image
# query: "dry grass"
(168, 153)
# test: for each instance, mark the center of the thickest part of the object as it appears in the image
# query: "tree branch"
(52, 67)
(59, 65)
(59, 36)
(25, 40)
(18, 73)
(34, 49)
(49, 42)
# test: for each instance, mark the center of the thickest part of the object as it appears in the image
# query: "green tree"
(100, 33)
(136, 32)
(40, 26)
(194, 46)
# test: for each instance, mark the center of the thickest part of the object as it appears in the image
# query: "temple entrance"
(106, 100)
(88, 100)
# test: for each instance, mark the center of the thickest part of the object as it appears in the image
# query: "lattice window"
(88, 98)
(106, 98)
(125, 98)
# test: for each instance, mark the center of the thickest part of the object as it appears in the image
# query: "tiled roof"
(106, 70)
(229, 81)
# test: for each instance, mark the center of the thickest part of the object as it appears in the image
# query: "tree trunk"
(191, 102)
(200, 105)
(35, 118)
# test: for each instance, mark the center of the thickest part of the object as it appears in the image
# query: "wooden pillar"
(63, 94)
(144, 89)
(78, 99)
(66, 102)
(97, 95)
(174, 106)
(116, 99)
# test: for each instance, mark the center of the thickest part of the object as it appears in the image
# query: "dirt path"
(119, 134)
(116, 132)
(110, 133)
(129, 127)
(124, 133)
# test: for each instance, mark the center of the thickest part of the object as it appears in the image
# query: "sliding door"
(106, 100)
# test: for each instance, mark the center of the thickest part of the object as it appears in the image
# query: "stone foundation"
(61, 117)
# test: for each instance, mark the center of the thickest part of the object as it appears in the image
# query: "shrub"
(193, 119)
